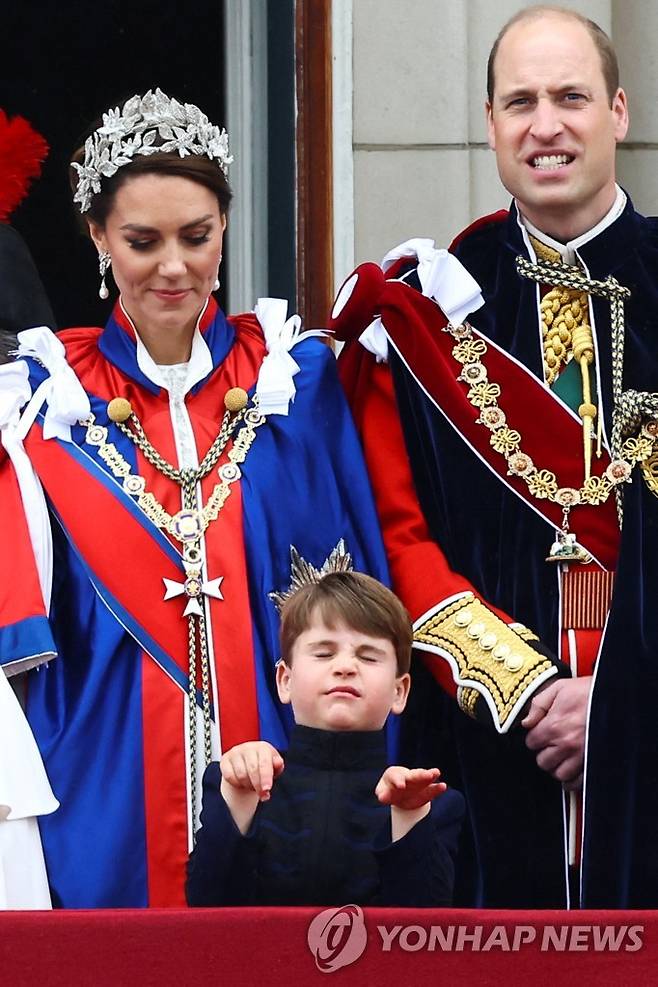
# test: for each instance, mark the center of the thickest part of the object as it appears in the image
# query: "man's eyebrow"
(570, 87)
(138, 228)
(515, 92)
(525, 91)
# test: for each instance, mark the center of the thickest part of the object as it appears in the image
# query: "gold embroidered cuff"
(491, 662)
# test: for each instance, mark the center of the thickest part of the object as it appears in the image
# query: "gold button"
(476, 630)
(514, 663)
(501, 651)
(488, 641)
(119, 410)
(464, 617)
(235, 399)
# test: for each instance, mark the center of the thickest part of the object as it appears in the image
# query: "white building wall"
(421, 165)
(635, 32)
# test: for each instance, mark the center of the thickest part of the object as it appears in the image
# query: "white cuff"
(24, 787)
(375, 340)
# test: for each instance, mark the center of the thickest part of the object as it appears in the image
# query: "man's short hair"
(354, 599)
(603, 44)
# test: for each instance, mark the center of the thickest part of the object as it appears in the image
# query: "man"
(520, 434)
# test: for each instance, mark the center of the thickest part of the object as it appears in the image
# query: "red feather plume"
(22, 151)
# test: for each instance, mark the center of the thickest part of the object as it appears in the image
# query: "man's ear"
(620, 110)
(283, 681)
(491, 130)
(97, 234)
(402, 686)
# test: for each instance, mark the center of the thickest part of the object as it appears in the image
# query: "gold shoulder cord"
(564, 276)
(567, 334)
(187, 526)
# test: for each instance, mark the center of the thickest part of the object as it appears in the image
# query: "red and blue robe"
(109, 711)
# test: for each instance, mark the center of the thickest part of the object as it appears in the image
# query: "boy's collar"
(337, 750)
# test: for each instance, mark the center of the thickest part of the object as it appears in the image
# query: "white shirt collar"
(198, 366)
(568, 250)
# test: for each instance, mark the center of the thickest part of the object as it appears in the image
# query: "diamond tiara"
(132, 130)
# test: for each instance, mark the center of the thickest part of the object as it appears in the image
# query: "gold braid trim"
(467, 699)
(492, 659)
(650, 473)
(524, 632)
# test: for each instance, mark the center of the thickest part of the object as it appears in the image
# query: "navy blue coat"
(323, 838)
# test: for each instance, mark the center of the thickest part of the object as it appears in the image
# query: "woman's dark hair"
(196, 167)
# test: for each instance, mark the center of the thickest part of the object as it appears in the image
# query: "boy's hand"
(252, 767)
(409, 792)
(409, 788)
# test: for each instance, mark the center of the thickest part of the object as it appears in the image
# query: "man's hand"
(556, 728)
(252, 767)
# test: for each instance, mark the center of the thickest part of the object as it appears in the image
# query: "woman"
(184, 458)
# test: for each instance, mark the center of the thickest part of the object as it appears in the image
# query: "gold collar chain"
(541, 483)
(187, 526)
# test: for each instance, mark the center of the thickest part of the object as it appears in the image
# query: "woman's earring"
(215, 287)
(104, 262)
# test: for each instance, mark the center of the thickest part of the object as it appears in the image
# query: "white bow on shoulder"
(67, 401)
(276, 388)
(442, 278)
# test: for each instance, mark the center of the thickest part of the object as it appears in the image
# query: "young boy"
(337, 825)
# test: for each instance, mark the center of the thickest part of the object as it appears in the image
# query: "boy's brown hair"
(357, 600)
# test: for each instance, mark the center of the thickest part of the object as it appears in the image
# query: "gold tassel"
(583, 352)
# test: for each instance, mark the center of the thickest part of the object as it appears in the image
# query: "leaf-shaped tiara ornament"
(133, 130)
(303, 573)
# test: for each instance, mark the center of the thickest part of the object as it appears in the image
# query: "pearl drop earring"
(104, 263)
